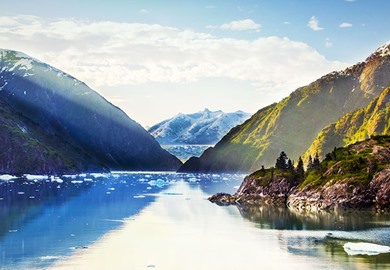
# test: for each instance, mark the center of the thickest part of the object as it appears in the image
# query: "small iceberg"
(7, 177)
(159, 183)
(362, 248)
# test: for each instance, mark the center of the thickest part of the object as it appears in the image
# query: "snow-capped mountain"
(205, 127)
(67, 108)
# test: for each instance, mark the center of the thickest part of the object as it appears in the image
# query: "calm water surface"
(163, 221)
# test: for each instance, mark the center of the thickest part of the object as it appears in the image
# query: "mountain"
(205, 127)
(353, 127)
(65, 107)
(292, 124)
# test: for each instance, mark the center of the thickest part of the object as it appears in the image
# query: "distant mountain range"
(53, 123)
(292, 124)
(205, 127)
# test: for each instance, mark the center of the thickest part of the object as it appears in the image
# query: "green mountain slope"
(353, 127)
(293, 123)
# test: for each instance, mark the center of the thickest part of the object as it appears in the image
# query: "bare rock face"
(257, 190)
(333, 196)
(380, 186)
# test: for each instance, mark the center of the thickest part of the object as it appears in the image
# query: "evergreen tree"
(282, 161)
(299, 169)
(310, 163)
(316, 161)
(290, 165)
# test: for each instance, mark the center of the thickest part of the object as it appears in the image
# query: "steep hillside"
(66, 107)
(205, 127)
(292, 124)
(26, 148)
(353, 127)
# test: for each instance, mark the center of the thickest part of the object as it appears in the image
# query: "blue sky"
(157, 58)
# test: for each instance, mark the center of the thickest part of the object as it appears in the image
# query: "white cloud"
(314, 24)
(241, 25)
(211, 7)
(345, 25)
(111, 54)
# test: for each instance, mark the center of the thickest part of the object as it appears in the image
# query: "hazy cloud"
(345, 25)
(240, 25)
(314, 24)
(143, 11)
(108, 53)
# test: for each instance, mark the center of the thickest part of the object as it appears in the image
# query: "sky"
(155, 58)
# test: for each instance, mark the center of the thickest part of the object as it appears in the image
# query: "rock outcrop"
(354, 177)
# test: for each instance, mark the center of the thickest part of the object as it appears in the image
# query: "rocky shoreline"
(341, 195)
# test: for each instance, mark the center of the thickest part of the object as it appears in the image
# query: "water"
(163, 221)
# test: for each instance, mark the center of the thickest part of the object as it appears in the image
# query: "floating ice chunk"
(36, 177)
(56, 179)
(158, 183)
(362, 248)
(76, 182)
(20, 193)
(88, 179)
(103, 175)
(71, 176)
(44, 258)
(111, 188)
(7, 177)
(138, 196)
(193, 180)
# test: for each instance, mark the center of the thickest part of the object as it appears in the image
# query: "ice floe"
(363, 248)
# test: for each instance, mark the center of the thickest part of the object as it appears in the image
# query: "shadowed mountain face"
(27, 148)
(65, 107)
(292, 124)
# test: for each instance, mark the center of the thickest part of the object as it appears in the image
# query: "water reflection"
(323, 234)
(282, 218)
(43, 220)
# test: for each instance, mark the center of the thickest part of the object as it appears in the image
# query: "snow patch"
(384, 50)
(23, 64)
(363, 248)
